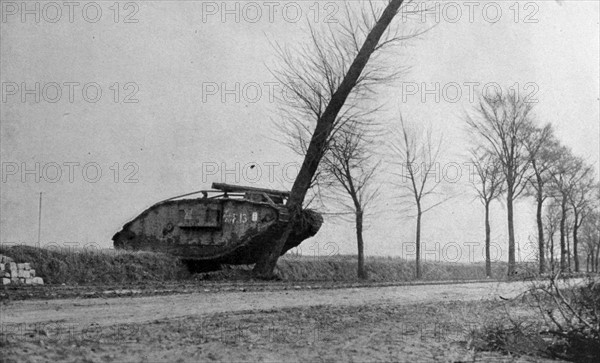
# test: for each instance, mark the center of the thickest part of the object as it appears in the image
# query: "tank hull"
(219, 231)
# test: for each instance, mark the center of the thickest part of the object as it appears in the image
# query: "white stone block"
(5, 281)
(11, 266)
(1, 266)
(32, 273)
(37, 281)
(26, 266)
(23, 274)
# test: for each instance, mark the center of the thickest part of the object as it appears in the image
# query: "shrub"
(569, 316)
(514, 338)
(573, 317)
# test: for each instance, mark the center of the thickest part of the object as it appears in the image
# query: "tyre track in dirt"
(124, 310)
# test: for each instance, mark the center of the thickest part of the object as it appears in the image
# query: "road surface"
(108, 311)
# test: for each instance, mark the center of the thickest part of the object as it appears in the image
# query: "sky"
(108, 109)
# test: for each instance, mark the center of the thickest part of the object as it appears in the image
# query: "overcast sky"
(166, 124)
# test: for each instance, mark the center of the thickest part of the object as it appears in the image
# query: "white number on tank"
(254, 216)
(233, 218)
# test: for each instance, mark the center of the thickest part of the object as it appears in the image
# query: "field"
(148, 307)
(109, 266)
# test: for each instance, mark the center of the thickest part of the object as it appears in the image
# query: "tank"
(226, 225)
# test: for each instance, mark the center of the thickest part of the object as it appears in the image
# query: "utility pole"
(40, 220)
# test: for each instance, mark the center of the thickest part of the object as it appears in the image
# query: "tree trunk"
(418, 243)
(318, 143)
(488, 260)
(563, 249)
(511, 232)
(362, 273)
(575, 252)
(265, 266)
(552, 253)
(540, 225)
(568, 248)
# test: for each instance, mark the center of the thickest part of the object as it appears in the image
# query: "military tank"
(229, 224)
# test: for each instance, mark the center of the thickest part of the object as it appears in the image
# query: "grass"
(379, 269)
(76, 267)
(89, 267)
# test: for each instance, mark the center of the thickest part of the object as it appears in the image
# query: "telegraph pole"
(40, 220)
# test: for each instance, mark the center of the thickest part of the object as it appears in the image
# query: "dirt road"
(104, 312)
(411, 323)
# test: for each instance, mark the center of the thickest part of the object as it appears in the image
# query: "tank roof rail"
(228, 190)
(204, 195)
(241, 189)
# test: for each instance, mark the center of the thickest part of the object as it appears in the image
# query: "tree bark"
(575, 254)
(563, 249)
(418, 243)
(540, 225)
(552, 253)
(318, 143)
(265, 266)
(568, 243)
(511, 232)
(488, 260)
(362, 273)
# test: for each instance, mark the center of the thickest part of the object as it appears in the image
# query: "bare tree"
(553, 216)
(489, 186)
(581, 198)
(591, 239)
(351, 166)
(322, 77)
(560, 185)
(567, 232)
(417, 154)
(543, 153)
(502, 125)
(566, 174)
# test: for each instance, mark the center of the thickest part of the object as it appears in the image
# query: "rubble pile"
(17, 273)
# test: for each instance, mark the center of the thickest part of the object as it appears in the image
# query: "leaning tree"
(340, 64)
